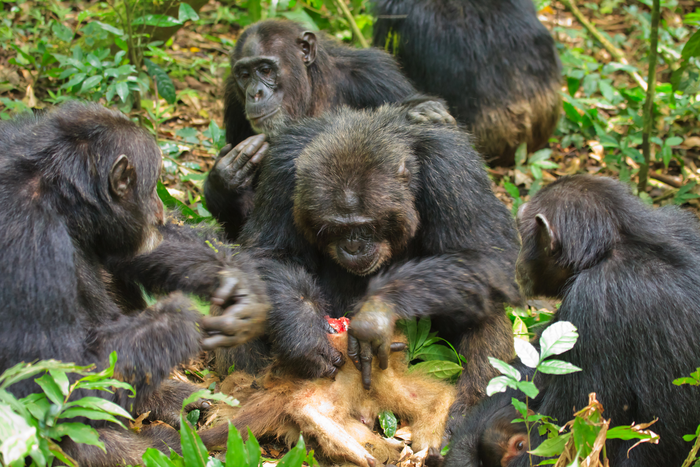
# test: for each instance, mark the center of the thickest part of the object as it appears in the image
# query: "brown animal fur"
(339, 414)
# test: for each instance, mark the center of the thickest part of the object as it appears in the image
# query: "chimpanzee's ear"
(122, 176)
(549, 237)
(308, 47)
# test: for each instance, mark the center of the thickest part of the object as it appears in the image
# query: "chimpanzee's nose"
(352, 247)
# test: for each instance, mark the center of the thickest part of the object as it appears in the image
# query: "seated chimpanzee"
(368, 213)
(81, 230)
(492, 61)
(280, 73)
(628, 276)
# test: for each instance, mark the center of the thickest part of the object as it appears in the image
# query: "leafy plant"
(441, 361)
(693, 380)
(33, 426)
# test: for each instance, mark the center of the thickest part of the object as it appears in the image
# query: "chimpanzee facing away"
(492, 61)
(280, 73)
(369, 213)
(81, 227)
(629, 279)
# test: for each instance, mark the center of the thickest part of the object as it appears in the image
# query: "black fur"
(632, 288)
(457, 267)
(70, 263)
(492, 61)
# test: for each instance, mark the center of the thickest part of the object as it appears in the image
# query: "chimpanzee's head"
(270, 73)
(355, 192)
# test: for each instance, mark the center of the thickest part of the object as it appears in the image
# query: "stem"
(356, 30)
(614, 51)
(649, 104)
(693, 452)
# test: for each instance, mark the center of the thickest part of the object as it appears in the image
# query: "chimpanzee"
(81, 231)
(280, 73)
(628, 276)
(492, 61)
(368, 212)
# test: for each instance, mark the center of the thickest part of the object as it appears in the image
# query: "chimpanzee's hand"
(432, 112)
(234, 169)
(371, 331)
(244, 315)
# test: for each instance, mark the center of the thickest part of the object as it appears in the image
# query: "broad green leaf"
(193, 417)
(76, 79)
(193, 450)
(91, 83)
(422, 331)
(439, 369)
(388, 422)
(557, 367)
(557, 339)
(521, 154)
(295, 456)
(685, 380)
(500, 384)
(606, 90)
(673, 141)
(505, 368)
(541, 155)
(571, 112)
(78, 432)
(626, 432)
(154, 458)
(51, 389)
(206, 394)
(37, 404)
(97, 403)
(92, 414)
(17, 437)
(61, 379)
(692, 47)
(521, 407)
(553, 446)
(62, 32)
(526, 352)
(122, 90)
(235, 450)
(214, 462)
(436, 352)
(108, 28)
(163, 83)
(161, 21)
(253, 449)
(186, 12)
(299, 15)
(108, 385)
(528, 387)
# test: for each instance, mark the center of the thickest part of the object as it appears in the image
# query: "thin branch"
(618, 54)
(693, 452)
(356, 30)
(649, 104)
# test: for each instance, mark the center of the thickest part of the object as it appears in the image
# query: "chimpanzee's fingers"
(254, 143)
(225, 290)
(398, 346)
(366, 361)
(383, 348)
(224, 151)
(354, 351)
(418, 117)
(221, 340)
(260, 154)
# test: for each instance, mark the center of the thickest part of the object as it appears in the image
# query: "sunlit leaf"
(557, 339)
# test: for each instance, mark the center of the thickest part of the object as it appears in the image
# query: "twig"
(356, 30)
(693, 452)
(667, 179)
(614, 51)
(649, 103)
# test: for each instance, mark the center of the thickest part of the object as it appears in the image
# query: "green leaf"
(685, 380)
(541, 155)
(557, 339)
(17, 437)
(422, 331)
(235, 450)
(193, 450)
(97, 403)
(78, 432)
(626, 433)
(63, 32)
(553, 446)
(51, 389)
(295, 456)
(91, 83)
(253, 449)
(527, 352)
(692, 47)
(571, 112)
(108, 28)
(388, 422)
(164, 85)
(606, 90)
(439, 369)
(557, 367)
(521, 407)
(186, 12)
(122, 91)
(154, 458)
(505, 368)
(193, 417)
(521, 154)
(528, 387)
(92, 414)
(161, 21)
(500, 384)
(206, 394)
(76, 79)
(436, 352)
